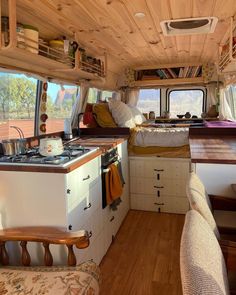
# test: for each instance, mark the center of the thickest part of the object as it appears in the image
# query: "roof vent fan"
(189, 26)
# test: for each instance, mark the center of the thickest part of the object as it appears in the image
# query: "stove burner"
(71, 152)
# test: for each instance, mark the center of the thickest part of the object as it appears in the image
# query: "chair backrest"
(202, 264)
(198, 201)
(196, 184)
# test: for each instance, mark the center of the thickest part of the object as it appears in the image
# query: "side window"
(105, 95)
(93, 95)
(17, 105)
(149, 100)
(181, 101)
(60, 101)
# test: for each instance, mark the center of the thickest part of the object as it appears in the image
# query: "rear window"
(149, 100)
(182, 101)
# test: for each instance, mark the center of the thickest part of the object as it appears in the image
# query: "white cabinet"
(159, 184)
(217, 178)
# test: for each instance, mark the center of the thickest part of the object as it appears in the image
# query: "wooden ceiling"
(110, 25)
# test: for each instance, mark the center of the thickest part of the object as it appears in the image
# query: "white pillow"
(138, 117)
(121, 113)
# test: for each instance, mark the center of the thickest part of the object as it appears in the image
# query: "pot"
(51, 146)
(8, 147)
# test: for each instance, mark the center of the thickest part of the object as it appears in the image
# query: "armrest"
(50, 235)
(223, 203)
(229, 252)
(46, 236)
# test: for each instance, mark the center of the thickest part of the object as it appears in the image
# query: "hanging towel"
(113, 184)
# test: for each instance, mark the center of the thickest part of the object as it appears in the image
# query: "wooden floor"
(144, 258)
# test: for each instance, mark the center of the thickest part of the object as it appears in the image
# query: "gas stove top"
(71, 154)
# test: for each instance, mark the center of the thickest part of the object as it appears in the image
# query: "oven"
(110, 156)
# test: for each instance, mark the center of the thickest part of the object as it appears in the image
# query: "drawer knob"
(158, 186)
(159, 170)
(68, 191)
(70, 227)
(159, 204)
(87, 207)
(90, 234)
(113, 217)
(86, 178)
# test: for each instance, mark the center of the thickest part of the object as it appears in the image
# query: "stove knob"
(68, 191)
(70, 227)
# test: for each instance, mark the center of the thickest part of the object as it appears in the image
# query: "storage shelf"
(27, 61)
(163, 82)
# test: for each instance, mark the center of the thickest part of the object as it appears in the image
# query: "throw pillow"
(138, 117)
(103, 115)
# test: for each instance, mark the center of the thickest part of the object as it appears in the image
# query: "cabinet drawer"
(165, 204)
(154, 187)
(81, 210)
(82, 179)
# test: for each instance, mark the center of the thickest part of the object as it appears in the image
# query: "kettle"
(51, 146)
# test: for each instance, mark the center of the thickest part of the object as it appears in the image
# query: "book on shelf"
(181, 73)
(196, 71)
(172, 73)
(185, 72)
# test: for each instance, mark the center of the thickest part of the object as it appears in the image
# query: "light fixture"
(139, 14)
(189, 26)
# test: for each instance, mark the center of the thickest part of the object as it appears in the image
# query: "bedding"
(162, 142)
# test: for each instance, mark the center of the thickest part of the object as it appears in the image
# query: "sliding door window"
(17, 104)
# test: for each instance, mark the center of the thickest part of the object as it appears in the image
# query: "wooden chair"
(71, 279)
(202, 265)
(223, 209)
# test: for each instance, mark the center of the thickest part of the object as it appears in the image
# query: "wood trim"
(222, 203)
(105, 131)
(168, 82)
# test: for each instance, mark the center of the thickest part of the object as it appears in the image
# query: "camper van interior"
(118, 147)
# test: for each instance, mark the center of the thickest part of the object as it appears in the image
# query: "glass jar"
(151, 115)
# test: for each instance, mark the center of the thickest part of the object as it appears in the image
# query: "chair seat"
(81, 279)
(225, 218)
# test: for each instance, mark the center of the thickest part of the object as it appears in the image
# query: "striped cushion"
(202, 265)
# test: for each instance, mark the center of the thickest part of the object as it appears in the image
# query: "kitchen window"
(17, 104)
(181, 101)
(60, 102)
(149, 100)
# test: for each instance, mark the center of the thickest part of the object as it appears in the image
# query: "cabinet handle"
(158, 186)
(90, 234)
(87, 207)
(70, 227)
(68, 191)
(158, 194)
(158, 176)
(159, 170)
(86, 178)
(159, 204)
(113, 217)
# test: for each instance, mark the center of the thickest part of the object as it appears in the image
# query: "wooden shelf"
(164, 82)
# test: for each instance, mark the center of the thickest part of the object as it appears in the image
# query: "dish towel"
(113, 185)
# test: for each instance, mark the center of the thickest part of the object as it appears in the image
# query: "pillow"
(121, 113)
(103, 115)
(138, 117)
(88, 118)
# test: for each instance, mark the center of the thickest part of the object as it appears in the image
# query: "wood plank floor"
(144, 258)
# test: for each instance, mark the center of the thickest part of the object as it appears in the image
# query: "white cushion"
(121, 113)
(202, 264)
(138, 117)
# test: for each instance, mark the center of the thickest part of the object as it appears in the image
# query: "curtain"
(132, 97)
(224, 107)
(211, 95)
(80, 104)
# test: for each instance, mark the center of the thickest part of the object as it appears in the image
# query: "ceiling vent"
(189, 26)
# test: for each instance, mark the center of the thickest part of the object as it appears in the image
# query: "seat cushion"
(225, 218)
(202, 265)
(81, 279)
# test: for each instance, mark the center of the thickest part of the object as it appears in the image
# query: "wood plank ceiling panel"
(201, 8)
(182, 9)
(160, 11)
(223, 10)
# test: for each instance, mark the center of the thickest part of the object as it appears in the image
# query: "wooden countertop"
(213, 149)
(104, 144)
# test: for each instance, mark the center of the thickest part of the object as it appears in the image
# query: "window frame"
(148, 88)
(200, 88)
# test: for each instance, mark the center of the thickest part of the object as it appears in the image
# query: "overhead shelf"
(164, 82)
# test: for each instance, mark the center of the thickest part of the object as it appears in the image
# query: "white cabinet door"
(217, 178)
